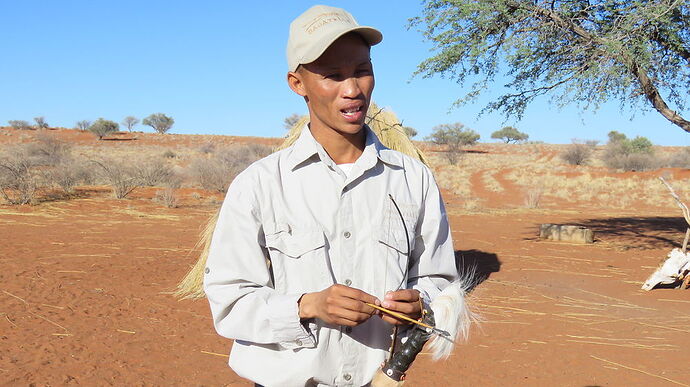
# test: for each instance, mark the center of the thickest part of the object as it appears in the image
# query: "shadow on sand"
(640, 232)
(479, 264)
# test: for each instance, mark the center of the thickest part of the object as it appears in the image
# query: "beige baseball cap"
(312, 32)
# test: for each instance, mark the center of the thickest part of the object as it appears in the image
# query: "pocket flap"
(295, 243)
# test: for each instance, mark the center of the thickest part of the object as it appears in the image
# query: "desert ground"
(86, 281)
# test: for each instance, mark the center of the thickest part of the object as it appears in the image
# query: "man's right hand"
(338, 305)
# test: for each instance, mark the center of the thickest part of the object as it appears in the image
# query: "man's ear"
(295, 82)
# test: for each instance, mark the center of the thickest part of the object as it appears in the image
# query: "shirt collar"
(306, 147)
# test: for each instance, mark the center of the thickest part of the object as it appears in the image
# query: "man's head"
(329, 65)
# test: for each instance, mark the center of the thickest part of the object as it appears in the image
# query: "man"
(310, 237)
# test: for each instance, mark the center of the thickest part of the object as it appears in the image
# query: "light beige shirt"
(316, 227)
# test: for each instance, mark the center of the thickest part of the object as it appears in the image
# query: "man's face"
(337, 86)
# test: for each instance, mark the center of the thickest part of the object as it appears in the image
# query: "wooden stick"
(403, 317)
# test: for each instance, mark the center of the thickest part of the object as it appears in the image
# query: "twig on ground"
(214, 354)
(641, 371)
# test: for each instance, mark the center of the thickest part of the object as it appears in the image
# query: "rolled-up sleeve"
(237, 279)
(433, 256)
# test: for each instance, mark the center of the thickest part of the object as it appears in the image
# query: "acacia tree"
(291, 120)
(41, 123)
(159, 122)
(454, 136)
(130, 122)
(510, 134)
(83, 125)
(102, 127)
(577, 51)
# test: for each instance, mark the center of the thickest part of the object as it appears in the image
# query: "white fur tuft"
(452, 314)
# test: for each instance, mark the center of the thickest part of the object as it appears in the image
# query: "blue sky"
(218, 67)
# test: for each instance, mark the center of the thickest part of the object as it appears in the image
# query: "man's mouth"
(353, 114)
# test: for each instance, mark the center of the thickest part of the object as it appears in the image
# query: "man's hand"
(404, 301)
(339, 305)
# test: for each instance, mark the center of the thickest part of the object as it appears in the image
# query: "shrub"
(67, 174)
(152, 172)
(49, 150)
(19, 124)
(629, 155)
(207, 148)
(168, 154)
(679, 159)
(102, 127)
(18, 178)
(578, 153)
(168, 197)
(159, 122)
(118, 175)
(217, 171)
(533, 197)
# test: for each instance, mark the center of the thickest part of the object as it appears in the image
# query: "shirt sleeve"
(237, 279)
(434, 265)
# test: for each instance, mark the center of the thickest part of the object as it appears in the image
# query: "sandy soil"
(85, 296)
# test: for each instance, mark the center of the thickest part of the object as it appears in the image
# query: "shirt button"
(348, 282)
(207, 270)
(298, 342)
(347, 377)
(346, 234)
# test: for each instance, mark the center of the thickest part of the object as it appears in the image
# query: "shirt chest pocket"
(298, 258)
(396, 238)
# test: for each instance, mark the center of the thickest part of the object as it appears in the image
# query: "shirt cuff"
(285, 322)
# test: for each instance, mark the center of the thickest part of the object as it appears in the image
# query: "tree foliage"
(19, 124)
(291, 120)
(102, 127)
(635, 154)
(83, 124)
(159, 122)
(41, 123)
(410, 131)
(576, 51)
(509, 134)
(454, 136)
(130, 122)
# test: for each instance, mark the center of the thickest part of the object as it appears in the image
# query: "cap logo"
(326, 18)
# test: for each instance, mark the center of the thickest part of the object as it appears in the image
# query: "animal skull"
(672, 270)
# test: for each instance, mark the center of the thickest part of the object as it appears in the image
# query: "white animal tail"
(452, 314)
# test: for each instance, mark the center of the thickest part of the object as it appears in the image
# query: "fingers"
(355, 294)
(404, 301)
(347, 306)
(408, 295)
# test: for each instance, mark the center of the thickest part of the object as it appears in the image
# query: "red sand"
(85, 293)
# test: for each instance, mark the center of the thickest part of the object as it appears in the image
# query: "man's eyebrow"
(332, 68)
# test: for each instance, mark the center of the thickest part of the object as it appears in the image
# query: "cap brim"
(370, 34)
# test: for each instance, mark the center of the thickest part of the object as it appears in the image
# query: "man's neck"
(341, 147)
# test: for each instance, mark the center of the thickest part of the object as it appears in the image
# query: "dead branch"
(684, 208)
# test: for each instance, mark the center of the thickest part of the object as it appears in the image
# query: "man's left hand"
(404, 301)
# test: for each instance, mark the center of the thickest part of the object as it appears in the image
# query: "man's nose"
(350, 88)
